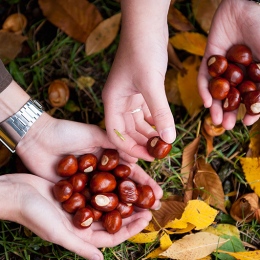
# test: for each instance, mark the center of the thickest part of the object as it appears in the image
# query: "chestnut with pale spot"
(157, 148)
(252, 102)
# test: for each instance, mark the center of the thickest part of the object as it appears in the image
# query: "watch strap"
(14, 128)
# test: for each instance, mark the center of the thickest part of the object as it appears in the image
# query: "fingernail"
(159, 206)
(95, 257)
(168, 134)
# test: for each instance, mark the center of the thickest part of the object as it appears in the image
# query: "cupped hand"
(134, 94)
(235, 22)
(37, 210)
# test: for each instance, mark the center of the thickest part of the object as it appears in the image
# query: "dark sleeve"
(5, 77)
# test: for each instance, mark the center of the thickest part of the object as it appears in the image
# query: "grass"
(57, 56)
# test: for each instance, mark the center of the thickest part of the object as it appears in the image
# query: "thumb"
(161, 113)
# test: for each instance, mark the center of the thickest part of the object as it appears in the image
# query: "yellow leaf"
(194, 43)
(251, 168)
(188, 87)
(198, 213)
(194, 246)
(150, 227)
(183, 230)
(155, 254)
(223, 229)
(103, 35)
(85, 82)
(254, 145)
(177, 223)
(251, 255)
(165, 241)
(144, 237)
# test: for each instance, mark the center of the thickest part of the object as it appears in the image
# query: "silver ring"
(136, 110)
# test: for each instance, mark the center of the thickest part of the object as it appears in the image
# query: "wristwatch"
(14, 128)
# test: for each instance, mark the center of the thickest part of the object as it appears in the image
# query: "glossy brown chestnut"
(112, 221)
(67, 166)
(246, 86)
(75, 202)
(109, 160)
(96, 213)
(104, 201)
(62, 190)
(83, 218)
(102, 182)
(211, 129)
(124, 209)
(252, 102)
(240, 53)
(232, 101)
(233, 74)
(87, 162)
(217, 64)
(219, 88)
(127, 191)
(146, 197)
(86, 193)
(78, 181)
(122, 171)
(253, 72)
(157, 148)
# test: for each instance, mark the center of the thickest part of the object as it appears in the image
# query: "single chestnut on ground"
(219, 88)
(240, 53)
(217, 65)
(252, 102)
(157, 148)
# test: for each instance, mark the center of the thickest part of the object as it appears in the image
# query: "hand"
(28, 201)
(136, 80)
(227, 29)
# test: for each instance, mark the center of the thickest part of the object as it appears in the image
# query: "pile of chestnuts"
(234, 79)
(99, 190)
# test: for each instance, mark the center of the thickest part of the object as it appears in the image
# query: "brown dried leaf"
(245, 208)
(76, 19)
(254, 145)
(103, 35)
(169, 210)
(209, 185)
(178, 21)
(209, 140)
(10, 45)
(203, 11)
(188, 87)
(171, 87)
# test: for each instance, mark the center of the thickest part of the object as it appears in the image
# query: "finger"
(229, 120)
(216, 112)
(249, 120)
(147, 115)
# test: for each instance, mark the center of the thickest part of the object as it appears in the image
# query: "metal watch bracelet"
(14, 128)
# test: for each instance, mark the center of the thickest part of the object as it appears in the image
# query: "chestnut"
(127, 191)
(217, 64)
(112, 221)
(104, 201)
(252, 102)
(157, 148)
(86, 193)
(122, 171)
(83, 218)
(109, 160)
(62, 190)
(232, 100)
(253, 72)
(212, 129)
(219, 88)
(87, 162)
(240, 53)
(124, 209)
(234, 74)
(146, 197)
(75, 202)
(67, 166)
(246, 86)
(102, 182)
(96, 213)
(78, 181)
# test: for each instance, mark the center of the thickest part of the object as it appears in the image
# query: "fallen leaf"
(223, 229)
(188, 87)
(241, 112)
(85, 82)
(76, 19)
(103, 35)
(254, 145)
(209, 185)
(198, 213)
(178, 21)
(251, 167)
(203, 11)
(194, 246)
(154, 254)
(209, 141)
(251, 255)
(10, 45)
(165, 241)
(192, 42)
(144, 237)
